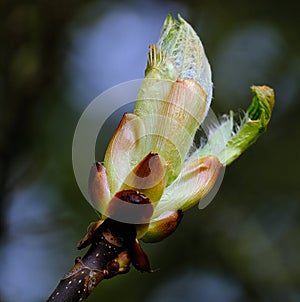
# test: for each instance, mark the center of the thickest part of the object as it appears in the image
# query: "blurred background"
(56, 56)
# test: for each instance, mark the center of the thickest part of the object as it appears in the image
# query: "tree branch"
(113, 248)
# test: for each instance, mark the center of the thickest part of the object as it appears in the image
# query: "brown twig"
(113, 248)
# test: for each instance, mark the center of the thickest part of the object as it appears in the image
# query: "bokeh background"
(56, 56)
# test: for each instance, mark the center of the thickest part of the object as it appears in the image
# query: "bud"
(124, 151)
(99, 187)
(162, 226)
(149, 176)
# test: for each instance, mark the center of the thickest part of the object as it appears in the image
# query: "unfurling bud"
(151, 175)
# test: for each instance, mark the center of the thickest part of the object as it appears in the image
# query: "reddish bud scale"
(130, 206)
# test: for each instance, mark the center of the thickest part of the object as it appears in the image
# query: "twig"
(113, 248)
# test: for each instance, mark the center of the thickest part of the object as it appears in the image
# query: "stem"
(110, 254)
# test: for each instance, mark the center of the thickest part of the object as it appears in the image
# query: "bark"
(113, 248)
